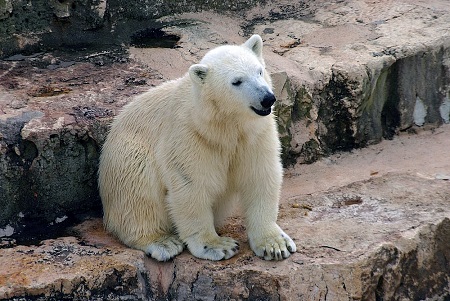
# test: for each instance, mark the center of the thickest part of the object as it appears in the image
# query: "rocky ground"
(363, 92)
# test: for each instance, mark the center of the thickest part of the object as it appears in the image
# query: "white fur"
(179, 154)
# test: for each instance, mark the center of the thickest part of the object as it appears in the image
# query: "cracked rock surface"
(379, 238)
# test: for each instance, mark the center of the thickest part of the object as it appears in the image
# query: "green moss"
(296, 107)
(311, 151)
(302, 105)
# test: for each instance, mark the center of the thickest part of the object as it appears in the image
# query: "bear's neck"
(227, 131)
(213, 132)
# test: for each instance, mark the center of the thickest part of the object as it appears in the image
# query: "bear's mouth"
(262, 112)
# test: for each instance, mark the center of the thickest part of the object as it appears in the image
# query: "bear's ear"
(198, 73)
(255, 44)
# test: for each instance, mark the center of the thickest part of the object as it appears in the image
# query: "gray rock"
(16, 158)
(6, 9)
(51, 131)
(46, 24)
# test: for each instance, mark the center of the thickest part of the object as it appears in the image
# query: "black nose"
(268, 100)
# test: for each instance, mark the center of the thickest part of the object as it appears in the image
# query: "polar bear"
(179, 156)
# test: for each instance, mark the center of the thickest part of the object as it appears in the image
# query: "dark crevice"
(336, 116)
(390, 114)
(379, 291)
(33, 230)
(153, 38)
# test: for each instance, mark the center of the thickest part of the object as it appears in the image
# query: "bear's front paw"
(274, 245)
(216, 248)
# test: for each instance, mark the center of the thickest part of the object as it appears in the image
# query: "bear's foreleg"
(266, 238)
(260, 184)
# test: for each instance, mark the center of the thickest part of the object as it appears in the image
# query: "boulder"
(53, 122)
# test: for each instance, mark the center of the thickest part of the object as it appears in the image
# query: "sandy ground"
(426, 154)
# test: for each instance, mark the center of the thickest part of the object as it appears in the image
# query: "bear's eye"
(260, 72)
(237, 82)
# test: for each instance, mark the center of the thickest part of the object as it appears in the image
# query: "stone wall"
(361, 105)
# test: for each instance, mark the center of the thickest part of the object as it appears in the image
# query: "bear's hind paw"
(165, 248)
(216, 249)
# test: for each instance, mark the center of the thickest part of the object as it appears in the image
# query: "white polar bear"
(179, 155)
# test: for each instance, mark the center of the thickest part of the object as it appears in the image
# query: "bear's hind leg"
(155, 233)
(142, 222)
(194, 221)
(160, 244)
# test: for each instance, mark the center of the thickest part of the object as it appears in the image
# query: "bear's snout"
(266, 105)
(268, 100)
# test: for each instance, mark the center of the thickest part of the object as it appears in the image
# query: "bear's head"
(234, 78)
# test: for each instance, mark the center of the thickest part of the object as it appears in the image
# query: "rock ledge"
(387, 238)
